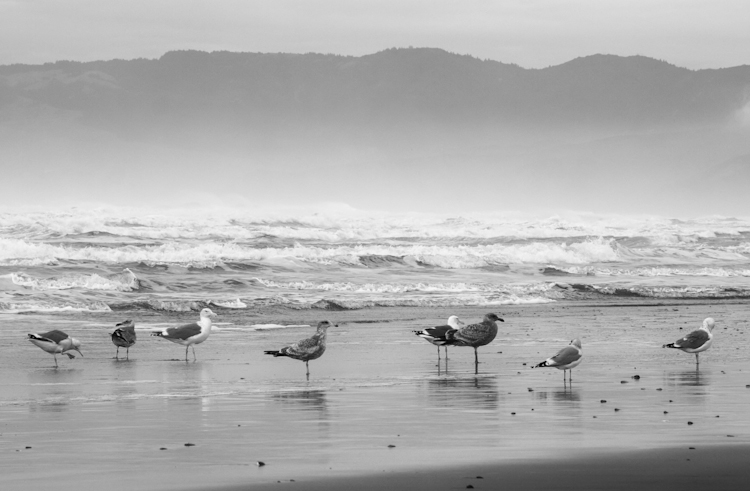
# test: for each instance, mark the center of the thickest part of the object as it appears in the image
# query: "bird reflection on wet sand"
(471, 392)
(303, 399)
(688, 378)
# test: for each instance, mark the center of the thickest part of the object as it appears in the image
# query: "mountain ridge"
(638, 122)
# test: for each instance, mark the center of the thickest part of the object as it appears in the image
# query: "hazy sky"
(531, 33)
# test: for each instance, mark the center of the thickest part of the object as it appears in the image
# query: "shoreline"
(378, 385)
(711, 467)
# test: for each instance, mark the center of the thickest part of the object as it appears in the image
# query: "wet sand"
(377, 410)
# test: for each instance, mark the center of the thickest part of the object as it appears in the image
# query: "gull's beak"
(501, 320)
(79, 352)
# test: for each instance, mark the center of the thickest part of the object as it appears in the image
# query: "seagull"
(55, 342)
(474, 335)
(189, 334)
(566, 359)
(436, 335)
(124, 337)
(696, 341)
(306, 349)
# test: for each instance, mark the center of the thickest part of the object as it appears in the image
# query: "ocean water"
(335, 257)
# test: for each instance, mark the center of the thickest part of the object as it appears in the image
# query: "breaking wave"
(123, 282)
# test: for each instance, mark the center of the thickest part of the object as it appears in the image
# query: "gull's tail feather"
(274, 353)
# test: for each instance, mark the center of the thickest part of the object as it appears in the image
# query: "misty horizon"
(415, 129)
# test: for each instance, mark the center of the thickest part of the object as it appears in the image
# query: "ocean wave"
(125, 281)
(647, 272)
(393, 288)
(478, 301)
(574, 290)
(342, 223)
(230, 304)
(209, 255)
(53, 306)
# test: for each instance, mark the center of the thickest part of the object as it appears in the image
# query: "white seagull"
(436, 335)
(189, 334)
(307, 349)
(124, 337)
(696, 341)
(566, 359)
(55, 342)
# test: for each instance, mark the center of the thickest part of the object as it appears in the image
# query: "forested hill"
(402, 86)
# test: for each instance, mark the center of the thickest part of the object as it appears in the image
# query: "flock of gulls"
(454, 333)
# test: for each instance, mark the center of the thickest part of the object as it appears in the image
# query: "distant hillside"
(397, 85)
(401, 108)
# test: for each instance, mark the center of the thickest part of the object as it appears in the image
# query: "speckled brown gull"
(124, 337)
(474, 335)
(307, 349)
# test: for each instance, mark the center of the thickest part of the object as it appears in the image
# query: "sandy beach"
(378, 411)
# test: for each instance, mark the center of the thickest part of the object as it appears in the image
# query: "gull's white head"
(75, 345)
(708, 324)
(576, 342)
(207, 313)
(455, 322)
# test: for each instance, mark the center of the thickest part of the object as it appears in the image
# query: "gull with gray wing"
(56, 342)
(697, 341)
(436, 335)
(566, 359)
(189, 334)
